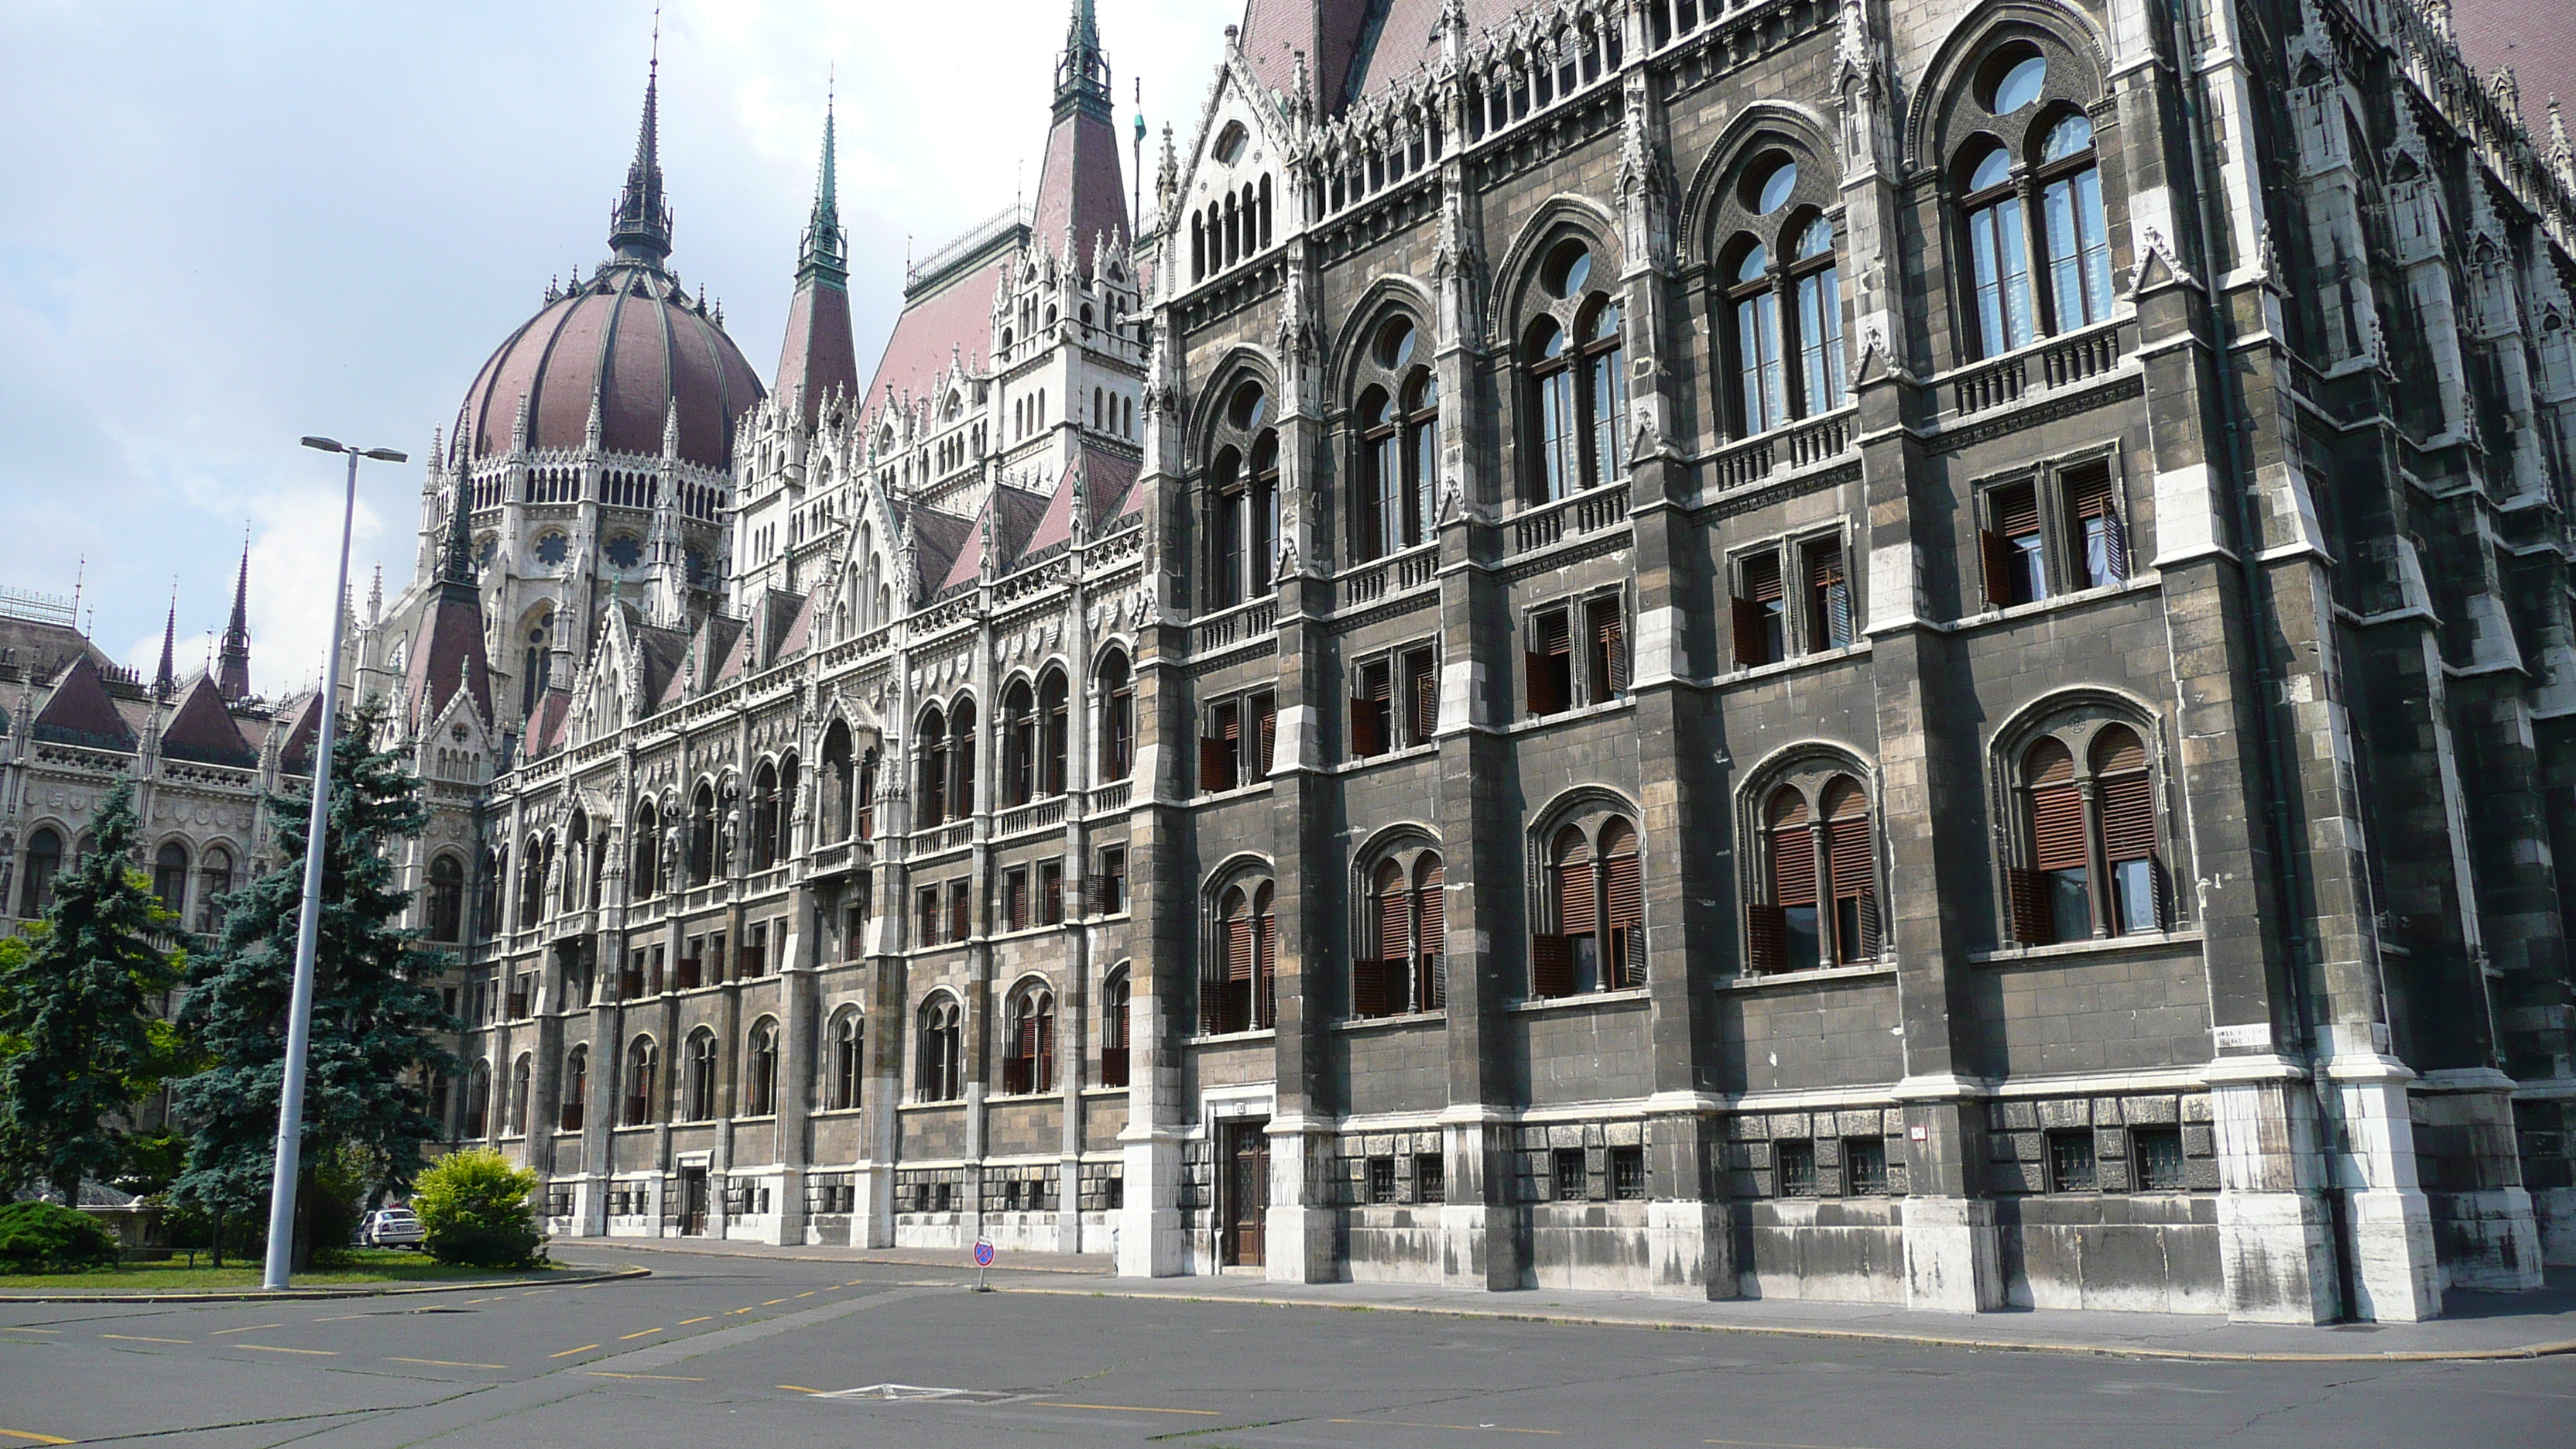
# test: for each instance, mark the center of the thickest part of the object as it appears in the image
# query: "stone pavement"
(2478, 1325)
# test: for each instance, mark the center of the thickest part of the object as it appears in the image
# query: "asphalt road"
(719, 1351)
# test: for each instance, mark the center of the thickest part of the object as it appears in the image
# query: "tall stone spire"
(232, 671)
(165, 679)
(820, 355)
(639, 228)
(1080, 190)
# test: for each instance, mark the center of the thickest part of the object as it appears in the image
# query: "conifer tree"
(76, 1006)
(376, 1017)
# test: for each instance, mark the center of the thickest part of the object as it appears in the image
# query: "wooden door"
(1247, 1192)
(693, 1201)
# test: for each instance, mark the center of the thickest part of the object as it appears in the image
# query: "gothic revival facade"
(1789, 649)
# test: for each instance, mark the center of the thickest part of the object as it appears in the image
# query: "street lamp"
(299, 1017)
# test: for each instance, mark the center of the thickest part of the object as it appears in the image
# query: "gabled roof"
(42, 648)
(449, 656)
(952, 322)
(800, 628)
(202, 729)
(1016, 514)
(80, 713)
(1111, 478)
(943, 537)
(1347, 59)
(303, 724)
(546, 726)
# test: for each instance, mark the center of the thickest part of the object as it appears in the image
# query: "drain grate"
(918, 1393)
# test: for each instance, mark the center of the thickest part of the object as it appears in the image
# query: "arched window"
(1815, 898)
(1055, 724)
(642, 1061)
(488, 896)
(2060, 856)
(215, 881)
(1998, 251)
(644, 853)
(1237, 991)
(764, 816)
(1381, 475)
(170, 878)
(849, 1059)
(2083, 826)
(698, 1086)
(575, 1091)
(942, 1073)
(1241, 500)
(865, 799)
(1851, 872)
(1761, 388)
(533, 864)
(1819, 286)
(785, 843)
(1420, 513)
(1594, 911)
(1028, 1061)
(1399, 430)
(538, 661)
(478, 1100)
(1113, 1030)
(961, 760)
(519, 1081)
(840, 778)
(2073, 230)
(44, 862)
(1118, 719)
(1605, 393)
(1577, 389)
(576, 859)
(446, 898)
(1019, 744)
(760, 1071)
(932, 791)
(2127, 798)
(702, 835)
(1551, 371)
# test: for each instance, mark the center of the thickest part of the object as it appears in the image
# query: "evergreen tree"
(376, 1018)
(75, 1009)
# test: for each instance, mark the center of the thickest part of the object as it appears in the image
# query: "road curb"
(1848, 1335)
(623, 1244)
(352, 1291)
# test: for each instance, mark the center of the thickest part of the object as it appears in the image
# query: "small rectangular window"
(1865, 1166)
(2014, 546)
(1112, 884)
(1381, 1179)
(1606, 630)
(1015, 900)
(2099, 542)
(2157, 1151)
(1373, 710)
(2070, 1161)
(1829, 597)
(1761, 611)
(1430, 1177)
(1050, 892)
(1628, 1174)
(1570, 1178)
(1221, 749)
(961, 910)
(1549, 663)
(1421, 696)
(1795, 1162)
(1261, 734)
(926, 915)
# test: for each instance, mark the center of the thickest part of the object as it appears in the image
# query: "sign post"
(983, 1259)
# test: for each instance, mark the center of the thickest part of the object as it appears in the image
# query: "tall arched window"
(2070, 209)
(1113, 1031)
(1605, 392)
(1787, 936)
(864, 801)
(932, 791)
(961, 760)
(760, 1070)
(1998, 251)
(170, 878)
(698, 1086)
(849, 1059)
(536, 663)
(642, 1062)
(575, 1091)
(764, 816)
(533, 864)
(1759, 380)
(644, 853)
(520, 1072)
(2086, 825)
(942, 1072)
(1591, 924)
(1397, 968)
(446, 898)
(215, 881)
(1851, 872)
(1623, 907)
(44, 862)
(1552, 375)
(478, 1101)
(1242, 500)
(1577, 389)
(1028, 1061)
(1238, 990)
(1399, 430)
(1055, 731)
(1819, 284)
(840, 779)
(1019, 727)
(1420, 513)
(1118, 719)
(576, 859)
(1381, 474)
(702, 835)
(488, 894)
(1815, 899)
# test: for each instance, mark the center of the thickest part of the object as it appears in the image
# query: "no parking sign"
(984, 1256)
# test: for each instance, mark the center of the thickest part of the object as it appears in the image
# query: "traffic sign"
(983, 1252)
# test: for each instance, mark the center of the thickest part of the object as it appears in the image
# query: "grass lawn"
(361, 1265)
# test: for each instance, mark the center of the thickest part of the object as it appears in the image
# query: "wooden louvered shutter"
(1238, 949)
(1847, 856)
(1610, 649)
(1043, 1054)
(1394, 939)
(2128, 818)
(1024, 1057)
(1266, 983)
(1793, 864)
(1754, 610)
(1623, 883)
(1996, 556)
(1269, 739)
(2031, 923)
(1426, 699)
(1211, 765)
(1748, 634)
(1832, 595)
(1370, 709)
(2057, 828)
(1551, 966)
(1766, 937)
(2091, 497)
(1431, 933)
(1575, 909)
(1548, 663)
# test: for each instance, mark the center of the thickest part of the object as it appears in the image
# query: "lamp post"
(299, 1016)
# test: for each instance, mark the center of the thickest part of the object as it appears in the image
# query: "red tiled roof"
(1079, 186)
(2534, 38)
(448, 657)
(1341, 57)
(943, 537)
(1111, 478)
(546, 731)
(956, 321)
(800, 629)
(79, 712)
(1017, 513)
(295, 755)
(818, 355)
(202, 729)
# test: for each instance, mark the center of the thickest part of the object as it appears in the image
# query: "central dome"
(630, 338)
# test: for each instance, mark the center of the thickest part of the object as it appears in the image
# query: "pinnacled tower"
(232, 660)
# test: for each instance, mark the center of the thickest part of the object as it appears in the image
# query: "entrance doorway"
(693, 1201)
(1247, 1193)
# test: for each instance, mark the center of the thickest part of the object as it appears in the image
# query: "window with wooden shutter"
(1760, 611)
(1607, 627)
(1551, 965)
(1852, 871)
(2127, 798)
(1265, 1005)
(1220, 750)
(2061, 857)
(960, 910)
(1372, 710)
(1377, 979)
(1430, 933)
(1549, 663)
(1113, 1034)
(1623, 892)
(1015, 900)
(1422, 690)
(1265, 734)
(1050, 893)
(1829, 599)
(2101, 541)
(1790, 836)
(2016, 569)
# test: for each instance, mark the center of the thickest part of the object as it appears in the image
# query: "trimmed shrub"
(40, 1237)
(473, 1209)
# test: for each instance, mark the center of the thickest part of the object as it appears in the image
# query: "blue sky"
(224, 226)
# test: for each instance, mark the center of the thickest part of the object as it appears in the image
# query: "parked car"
(393, 1227)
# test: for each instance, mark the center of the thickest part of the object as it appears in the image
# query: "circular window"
(2014, 79)
(551, 548)
(625, 550)
(1568, 268)
(1249, 406)
(1395, 343)
(1768, 185)
(1230, 142)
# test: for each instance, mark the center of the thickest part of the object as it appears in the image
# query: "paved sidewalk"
(2479, 1325)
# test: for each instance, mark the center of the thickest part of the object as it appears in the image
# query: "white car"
(390, 1228)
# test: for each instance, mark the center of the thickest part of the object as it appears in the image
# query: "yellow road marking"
(853, 1283)
(470, 1302)
(807, 1294)
(339, 1318)
(141, 1338)
(271, 1348)
(446, 1363)
(1487, 1428)
(667, 1378)
(685, 1322)
(1127, 1408)
(31, 1438)
(772, 1303)
(621, 1338)
(245, 1328)
(13, 1328)
(732, 1311)
(799, 1389)
(835, 1288)
(567, 1353)
(533, 1292)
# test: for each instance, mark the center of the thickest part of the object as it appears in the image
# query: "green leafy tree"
(76, 1009)
(37, 1236)
(376, 1017)
(473, 1208)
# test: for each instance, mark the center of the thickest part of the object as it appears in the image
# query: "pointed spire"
(640, 226)
(166, 677)
(820, 354)
(1082, 72)
(826, 251)
(456, 564)
(233, 677)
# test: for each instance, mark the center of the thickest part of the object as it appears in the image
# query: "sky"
(223, 227)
